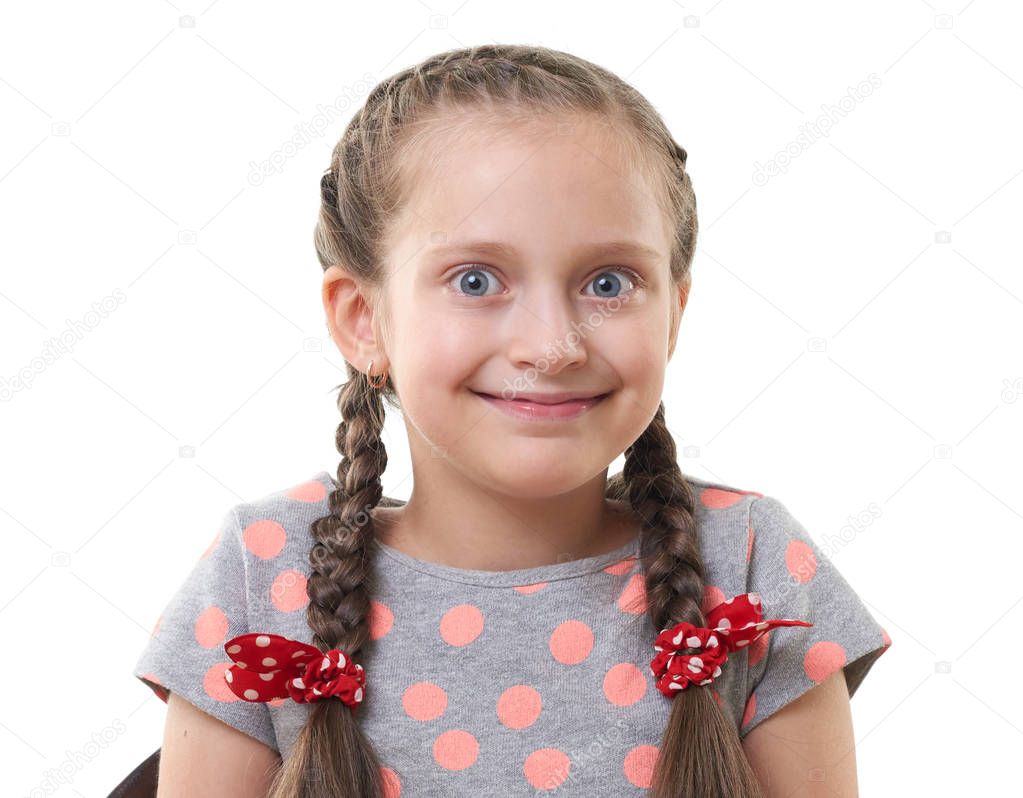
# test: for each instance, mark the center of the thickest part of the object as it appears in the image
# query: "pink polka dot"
(749, 543)
(461, 625)
(264, 538)
(633, 598)
(215, 685)
(424, 701)
(312, 491)
(455, 749)
(212, 546)
(288, 591)
(621, 567)
(712, 596)
(277, 702)
(624, 684)
(885, 639)
(639, 765)
(800, 561)
(211, 627)
(718, 499)
(758, 648)
(519, 706)
(571, 642)
(546, 768)
(381, 619)
(535, 588)
(391, 783)
(823, 659)
(751, 709)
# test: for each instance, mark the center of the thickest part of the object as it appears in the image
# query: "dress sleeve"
(796, 580)
(185, 653)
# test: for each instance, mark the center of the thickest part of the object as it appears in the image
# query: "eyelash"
(638, 282)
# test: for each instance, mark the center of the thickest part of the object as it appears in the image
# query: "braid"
(339, 588)
(699, 753)
(662, 498)
(339, 595)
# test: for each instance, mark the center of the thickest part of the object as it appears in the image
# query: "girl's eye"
(605, 281)
(474, 281)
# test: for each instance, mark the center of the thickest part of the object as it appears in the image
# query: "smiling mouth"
(539, 412)
(527, 400)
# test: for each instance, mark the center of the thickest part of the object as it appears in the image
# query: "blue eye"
(611, 283)
(474, 280)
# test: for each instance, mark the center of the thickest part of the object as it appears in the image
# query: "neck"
(464, 525)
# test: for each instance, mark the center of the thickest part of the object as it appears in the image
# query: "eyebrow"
(501, 250)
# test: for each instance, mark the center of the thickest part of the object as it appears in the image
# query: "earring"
(375, 383)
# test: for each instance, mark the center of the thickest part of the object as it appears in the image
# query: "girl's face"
(553, 308)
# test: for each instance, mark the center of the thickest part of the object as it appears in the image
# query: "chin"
(533, 469)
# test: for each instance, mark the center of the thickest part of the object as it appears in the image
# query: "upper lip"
(547, 398)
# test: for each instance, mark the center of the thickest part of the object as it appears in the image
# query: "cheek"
(441, 352)
(429, 327)
(434, 352)
(637, 344)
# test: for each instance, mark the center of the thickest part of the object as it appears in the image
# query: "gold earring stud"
(376, 383)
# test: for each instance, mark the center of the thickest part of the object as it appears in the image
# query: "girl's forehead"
(435, 145)
(577, 174)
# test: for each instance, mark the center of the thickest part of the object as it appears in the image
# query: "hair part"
(363, 190)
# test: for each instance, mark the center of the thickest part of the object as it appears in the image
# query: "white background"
(851, 345)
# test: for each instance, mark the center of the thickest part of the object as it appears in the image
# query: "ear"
(350, 321)
(677, 311)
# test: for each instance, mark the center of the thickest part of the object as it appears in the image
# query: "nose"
(546, 335)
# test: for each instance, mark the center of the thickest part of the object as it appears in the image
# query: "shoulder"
(730, 516)
(297, 502)
(266, 566)
(711, 497)
(296, 505)
(782, 552)
(746, 534)
(271, 534)
(274, 533)
(722, 514)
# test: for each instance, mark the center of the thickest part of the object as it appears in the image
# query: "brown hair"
(700, 754)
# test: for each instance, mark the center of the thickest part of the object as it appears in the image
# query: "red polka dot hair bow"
(731, 625)
(271, 666)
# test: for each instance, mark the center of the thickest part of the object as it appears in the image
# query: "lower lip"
(534, 411)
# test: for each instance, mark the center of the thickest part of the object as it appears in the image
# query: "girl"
(506, 235)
